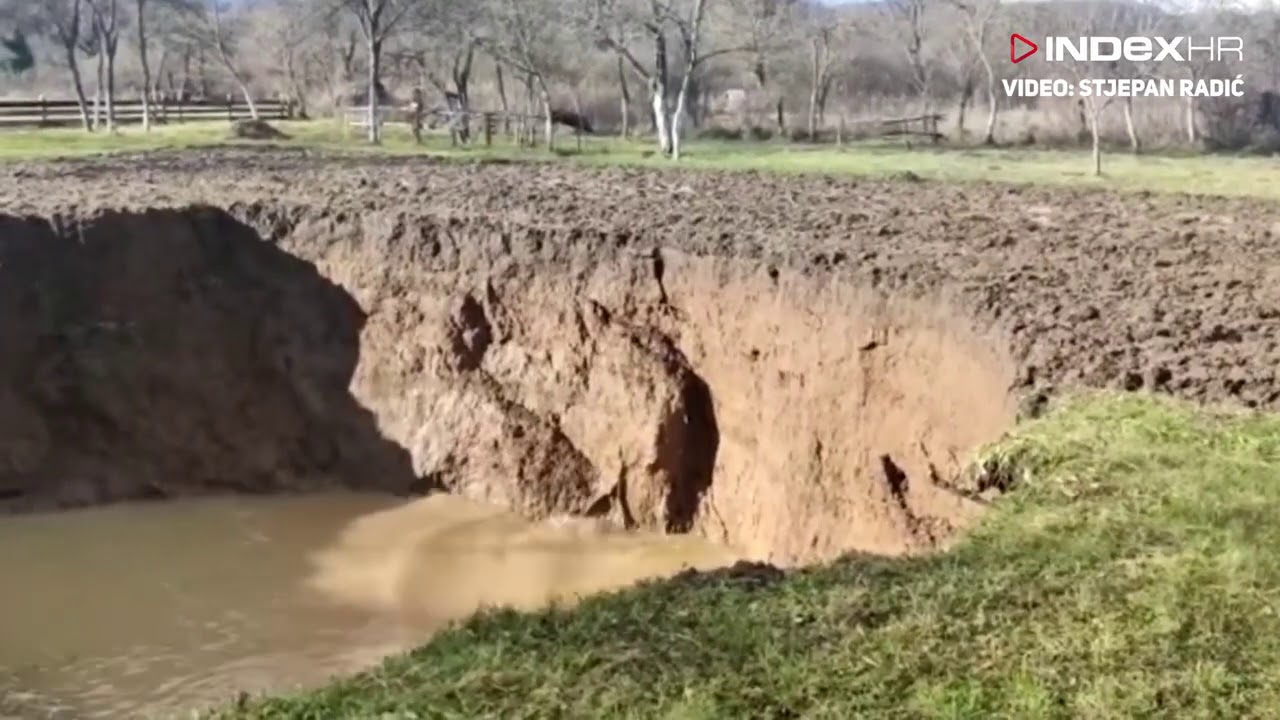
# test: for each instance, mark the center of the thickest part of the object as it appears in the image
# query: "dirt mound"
(256, 130)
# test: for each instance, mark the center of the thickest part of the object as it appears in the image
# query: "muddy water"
(148, 610)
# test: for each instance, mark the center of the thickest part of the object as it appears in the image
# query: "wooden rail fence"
(61, 113)
(463, 126)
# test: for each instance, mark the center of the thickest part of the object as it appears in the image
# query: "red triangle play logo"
(1021, 48)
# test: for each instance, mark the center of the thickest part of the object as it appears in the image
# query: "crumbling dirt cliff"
(795, 366)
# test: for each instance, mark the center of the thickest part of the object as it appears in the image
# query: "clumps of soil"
(742, 575)
(256, 130)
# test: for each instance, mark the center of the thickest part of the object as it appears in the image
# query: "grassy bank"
(1134, 571)
(1209, 174)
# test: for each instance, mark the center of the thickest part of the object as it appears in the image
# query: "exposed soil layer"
(794, 365)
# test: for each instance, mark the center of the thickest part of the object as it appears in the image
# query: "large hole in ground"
(790, 413)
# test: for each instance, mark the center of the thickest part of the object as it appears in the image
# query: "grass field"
(1207, 174)
(1134, 571)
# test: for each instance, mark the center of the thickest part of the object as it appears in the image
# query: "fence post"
(231, 116)
(840, 132)
(488, 129)
(44, 111)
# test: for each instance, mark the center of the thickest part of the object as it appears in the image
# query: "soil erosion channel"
(750, 376)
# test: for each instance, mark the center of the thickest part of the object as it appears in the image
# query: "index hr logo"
(1132, 49)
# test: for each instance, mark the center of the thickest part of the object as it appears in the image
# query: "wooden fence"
(61, 113)
(463, 126)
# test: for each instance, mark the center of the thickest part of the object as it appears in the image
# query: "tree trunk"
(146, 68)
(502, 98)
(677, 115)
(1097, 143)
(1134, 143)
(624, 101)
(661, 118)
(238, 79)
(815, 80)
(824, 92)
(966, 96)
(83, 103)
(111, 88)
(1191, 120)
(462, 86)
(548, 125)
(99, 88)
(297, 93)
(993, 108)
(693, 102)
(375, 73)
(658, 94)
(248, 97)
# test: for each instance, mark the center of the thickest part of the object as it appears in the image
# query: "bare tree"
(907, 20)
(531, 38)
(453, 34)
(211, 27)
(300, 34)
(830, 40)
(378, 20)
(140, 8)
(690, 34)
(65, 19)
(769, 28)
(978, 16)
(621, 26)
(1096, 20)
(106, 27)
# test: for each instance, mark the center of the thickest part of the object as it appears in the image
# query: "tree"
(106, 28)
(300, 34)
(64, 19)
(769, 27)
(977, 17)
(378, 20)
(531, 38)
(17, 57)
(622, 26)
(907, 21)
(140, 8)
(1096, 20)
(830, 38)
(214, 30)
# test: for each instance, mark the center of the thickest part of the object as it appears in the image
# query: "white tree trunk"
(1097, 142)
(993, 104)
(99, 88)
(375, 61)
(676, 117)
(1192, 135)
(146, 67)
(549, 126)
(661, 117)
(1134, 143)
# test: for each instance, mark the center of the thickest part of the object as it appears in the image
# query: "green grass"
(1207, 174)
(1133, 571)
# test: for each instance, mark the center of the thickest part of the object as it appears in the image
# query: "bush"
(717, 132)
